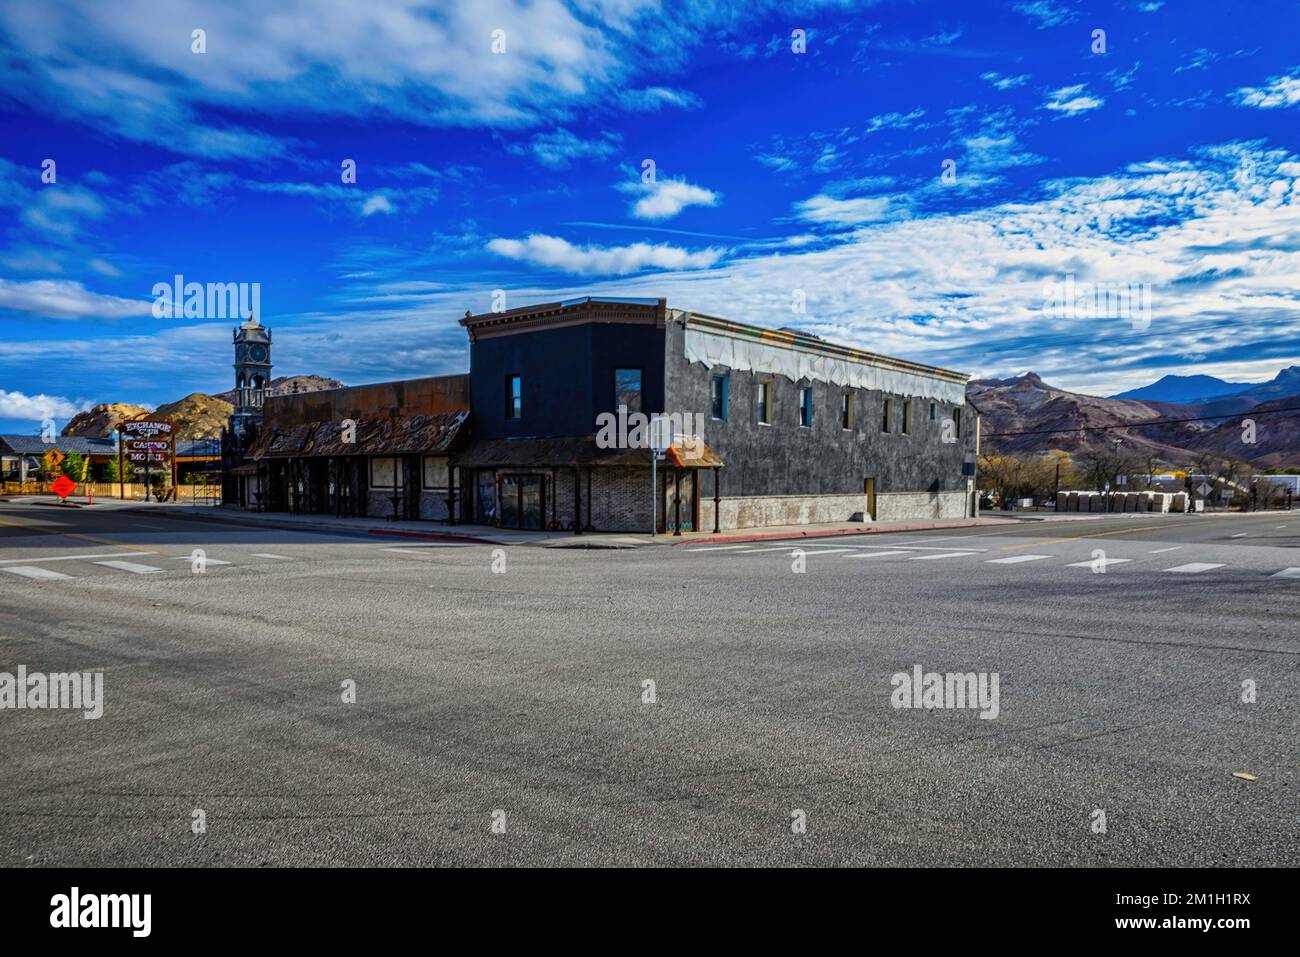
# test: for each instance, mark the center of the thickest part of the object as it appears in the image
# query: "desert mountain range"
(1024, 414)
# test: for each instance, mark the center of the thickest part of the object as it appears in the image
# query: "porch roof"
(430, 434)
(575, 450)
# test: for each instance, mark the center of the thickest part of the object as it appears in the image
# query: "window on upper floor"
(806, 406)
(627, 389)
(514, 397)
(907, 416)
(934, 411)
(765, 403)
(846, 410)
(718, 397)
(885, 424)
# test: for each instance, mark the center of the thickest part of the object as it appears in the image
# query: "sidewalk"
(487, 535)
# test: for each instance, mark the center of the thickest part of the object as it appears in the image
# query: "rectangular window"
(846, 410)
(889, 414)
(514, 397)
(627, 389)
(956, 422)
(805, 407)
(718, 395)
(435, 471)
(934, 411)
(383, 472)
(765, 403)
(907, 416)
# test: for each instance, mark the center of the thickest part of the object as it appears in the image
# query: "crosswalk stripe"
(1193, 567)
(280, 558)
(714, 548)
(31, 571)
(1240, 535)
(68, 558)
(877, 554)
(1102, 561)
(206, 561)
(1161, 551)
(1288, 573)
(133, 567)
(1016, 559)
(922, 558)
(823, 551)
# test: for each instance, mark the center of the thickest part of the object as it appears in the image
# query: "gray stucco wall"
(787, 459)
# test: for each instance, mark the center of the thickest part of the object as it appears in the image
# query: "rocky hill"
(100, 421)
(197, 416)
(291, 384)
(1026, 415)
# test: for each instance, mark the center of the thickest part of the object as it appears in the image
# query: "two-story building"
(774, 427)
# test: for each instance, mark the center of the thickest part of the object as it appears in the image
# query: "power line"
(1246, 414)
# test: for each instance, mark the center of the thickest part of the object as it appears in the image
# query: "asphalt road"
(521, 691)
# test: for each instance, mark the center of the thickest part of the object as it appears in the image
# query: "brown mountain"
(290, 384)
(197, 416)
(100, 421)
(1026, 415)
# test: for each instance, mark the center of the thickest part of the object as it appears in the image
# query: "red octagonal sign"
(62, 486)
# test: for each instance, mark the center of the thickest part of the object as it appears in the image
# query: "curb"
(829, 533)
(431, 536)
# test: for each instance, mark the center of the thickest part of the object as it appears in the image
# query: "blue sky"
(781, 177)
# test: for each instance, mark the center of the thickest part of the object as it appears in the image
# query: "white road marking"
(1288, 573)
(921, 558)
(1016, 559)
(714, 548)
(69, 558)
(28, 571)
(1241, 535)
(877, 554)
(279, 558)
(407, 548)
(823, 551)
(929, 548)
(1193, 567)
(1159, 551)
(779, 548)
(1102, 561)
(132, 567)
(206, 561)
(1281, 526)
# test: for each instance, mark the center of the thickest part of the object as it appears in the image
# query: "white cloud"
(653, 98)
(37, 408)
(65, 299)
(1072, 100)
(894, 121)
(1046, 12)
(129, 65)
(1005, 82)
(558, 149)
(843, 212)
(1281, 91)
(665, 198)
(555, 253)
(377, 203)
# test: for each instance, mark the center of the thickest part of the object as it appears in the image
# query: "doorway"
(869, 490)
(523, 501)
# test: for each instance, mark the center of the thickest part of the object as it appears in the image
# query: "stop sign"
(63, 486)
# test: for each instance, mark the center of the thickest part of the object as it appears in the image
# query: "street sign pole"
(121, 473)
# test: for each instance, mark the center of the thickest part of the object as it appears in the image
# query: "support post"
(717, 502)
(121, 475)
(577, 502)
(677, 501)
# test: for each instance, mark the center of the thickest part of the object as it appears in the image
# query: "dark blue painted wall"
(567, 376)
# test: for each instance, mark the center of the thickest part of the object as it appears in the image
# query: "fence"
(198, 494)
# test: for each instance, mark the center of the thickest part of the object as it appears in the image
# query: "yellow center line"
(84, 538)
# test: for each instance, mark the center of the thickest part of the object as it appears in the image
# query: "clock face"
(257, 352)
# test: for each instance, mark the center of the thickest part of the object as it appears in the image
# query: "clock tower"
(252, 382)
(252, 378)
